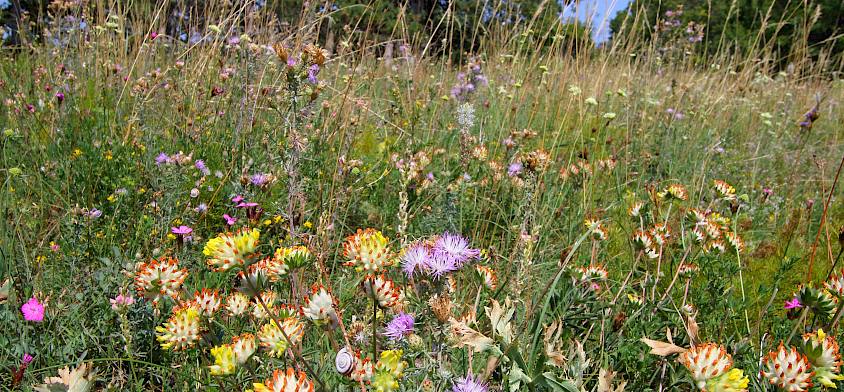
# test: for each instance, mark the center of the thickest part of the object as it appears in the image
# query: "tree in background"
(789, 30)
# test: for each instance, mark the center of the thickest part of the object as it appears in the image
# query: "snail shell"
(344, 362)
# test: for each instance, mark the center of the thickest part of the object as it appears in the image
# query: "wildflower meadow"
(452, 196)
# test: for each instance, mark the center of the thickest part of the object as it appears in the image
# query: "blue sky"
(598, 13)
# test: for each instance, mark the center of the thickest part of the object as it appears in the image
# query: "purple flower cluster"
(469, 384)
(446, 253)
(468, 82)
(399, 327)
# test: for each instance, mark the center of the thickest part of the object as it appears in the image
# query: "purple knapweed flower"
(399, 327)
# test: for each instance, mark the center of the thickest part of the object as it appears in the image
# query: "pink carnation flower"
(33, 310)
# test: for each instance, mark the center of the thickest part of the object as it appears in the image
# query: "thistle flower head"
(705, 362)
(227, 250)
(454, 248)
(274, 341)
(469, 384)
(400, 326)
(367, 251)
(159, 278)
(286, 381)
(416, 257)
(181, 331)
(787, 369)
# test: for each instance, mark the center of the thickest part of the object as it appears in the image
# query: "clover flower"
(319, 306)
(286, 381)
(208, 301)
(488, 277)
(367, 251)
(237, 303)
(822, 352)
(273, 340)
(159, 278)
(787, 369)
(382, 290)
(705, 362)
(181, 331)
(227, 251)
(243, 346)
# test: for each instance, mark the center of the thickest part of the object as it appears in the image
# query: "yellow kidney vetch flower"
(227, 250)
(731, 381)
(181, 331)
(388, 370)
(225, 361)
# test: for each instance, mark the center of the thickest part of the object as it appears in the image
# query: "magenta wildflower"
(793, 303)
(181, 230)
(514, 169)
(27, 359)
(230, 220)
(416, 257)
(455, 248)
(313, 70)
(237, 199)
(400, 326)
(469, 384)
(162, 159)
(33, 310)
(121, 302)
(60, 96)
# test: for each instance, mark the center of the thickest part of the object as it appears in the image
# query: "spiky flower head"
(319, 305)
(787, 369)
(821, 302)
(264, 302)
(243, 346)
(735, 242)
(182, 330)
(592, 273)
(208, 301)
(724, 190)
(237, 303)
(292, 257)
(399, 327)
(416, 257)
(714, 247)
(364, 369)
(388, 370)
(160, 278)
(286, 381)
(382, 290)
(706, 361)
(454, 249)
(272, 339)
(596, 230)
(487, 275)
(441, 305)
(642, 240)
(469, 384)
(635, 209)
(225, 361)
(697, 216)
(835, 284)
(688, 269)
(733, 380)
(228, 251)
(674, 192)
(822, 351)
(367, 251)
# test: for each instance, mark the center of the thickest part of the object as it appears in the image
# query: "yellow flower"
(308, 224)
(111, 198)
(224, 360)
(272, 339)
(367, 251)
(227, 251)
(181, 331)
(76, 153)
(391, 362)
(731, 381)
